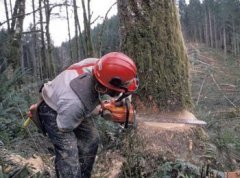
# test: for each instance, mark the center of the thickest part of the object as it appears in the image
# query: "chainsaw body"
(122, 112)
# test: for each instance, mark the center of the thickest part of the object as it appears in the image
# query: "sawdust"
(34, 164)
(111, 165)
(159, 133)
(168, 126)
(167, 116)
(176, 121)
(166, 133)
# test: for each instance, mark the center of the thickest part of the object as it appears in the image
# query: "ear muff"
(100, 88)
(117, 82)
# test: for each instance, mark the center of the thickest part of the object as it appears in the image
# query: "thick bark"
(151, 35)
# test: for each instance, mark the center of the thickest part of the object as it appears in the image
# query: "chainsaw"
(121, 112)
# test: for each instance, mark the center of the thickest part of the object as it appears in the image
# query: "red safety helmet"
(117, 72)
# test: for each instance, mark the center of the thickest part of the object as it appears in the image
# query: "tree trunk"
(234, 43)
(16, 34)
(14, 15)
(210, 28)
(206, 30)
(51, 71)
(151, 35)
(44, 66)
(69, 33)
(76, 27)
(224, 41)
(215, 32)
(83, 45)
(238, 44)
(7, 16)
(10, 2)
(100, 35)
(34, 44)
(87, 29)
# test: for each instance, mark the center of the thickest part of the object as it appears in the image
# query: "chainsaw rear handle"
(34, 117)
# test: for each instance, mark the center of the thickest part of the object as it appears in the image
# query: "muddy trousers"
(76, 150)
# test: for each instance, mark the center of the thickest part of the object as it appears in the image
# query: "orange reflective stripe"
(78, 68)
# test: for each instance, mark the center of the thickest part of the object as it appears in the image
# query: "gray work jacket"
(72, 95)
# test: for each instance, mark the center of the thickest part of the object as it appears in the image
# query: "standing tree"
(7, 16)
(51, 66)
(76, 21)
(18, 16)
(87, 28)
(43, 46)
(69, 33)
(183, 14)
(151, 34)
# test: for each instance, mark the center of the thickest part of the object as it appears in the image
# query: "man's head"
(117, 72)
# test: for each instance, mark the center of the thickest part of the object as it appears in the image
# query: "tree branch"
(29, 13)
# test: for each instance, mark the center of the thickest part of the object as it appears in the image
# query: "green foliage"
(135, 161)
(109, 132)
(141, 163)
(177, 169)
(2, 175)
(215, 23)
(15, 100)
(110, 36)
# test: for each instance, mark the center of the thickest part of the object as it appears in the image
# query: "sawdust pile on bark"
(153, 140)
(179, 139)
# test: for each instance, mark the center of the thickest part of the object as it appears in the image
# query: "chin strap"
(124, 95)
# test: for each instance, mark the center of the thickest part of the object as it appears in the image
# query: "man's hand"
(106, 114)
(97, 110)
